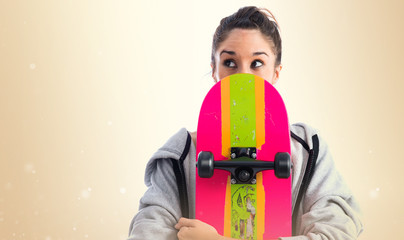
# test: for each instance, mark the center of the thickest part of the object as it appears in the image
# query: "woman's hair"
(250, 18)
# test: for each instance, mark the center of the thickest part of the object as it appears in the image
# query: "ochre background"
(90, 89)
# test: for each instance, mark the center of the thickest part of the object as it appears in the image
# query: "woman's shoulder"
(303, 134)
(174, 146)
(303, 131)
(172, 149)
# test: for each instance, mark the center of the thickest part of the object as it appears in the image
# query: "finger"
(185, 222)
(182, 233)
(179, 224)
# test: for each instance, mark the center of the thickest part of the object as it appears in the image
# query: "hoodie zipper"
(311, 163)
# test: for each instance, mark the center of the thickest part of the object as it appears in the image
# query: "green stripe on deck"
(242, 111)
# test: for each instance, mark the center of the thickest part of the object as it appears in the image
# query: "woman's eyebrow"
(259, 53)
(234, 53)
(228, 52)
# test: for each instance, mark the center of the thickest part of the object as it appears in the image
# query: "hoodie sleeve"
(328, 209)
(159, 207)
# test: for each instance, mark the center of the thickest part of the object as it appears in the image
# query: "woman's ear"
(213, 72)
(277, 71)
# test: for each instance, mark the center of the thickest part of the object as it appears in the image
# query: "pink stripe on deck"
(278, 191)
(211, 199)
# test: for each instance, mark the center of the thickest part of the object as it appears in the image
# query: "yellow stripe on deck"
(260, 207)
(225, 99)
(260, 111)
(227, 210)
(260, 126)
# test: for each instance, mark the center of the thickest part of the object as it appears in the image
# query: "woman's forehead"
(247, 41)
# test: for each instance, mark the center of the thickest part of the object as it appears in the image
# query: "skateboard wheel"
(205, 164)
(282, 165)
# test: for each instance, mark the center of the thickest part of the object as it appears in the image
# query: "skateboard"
(243, 182)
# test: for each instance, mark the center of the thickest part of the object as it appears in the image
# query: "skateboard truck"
(243, 165)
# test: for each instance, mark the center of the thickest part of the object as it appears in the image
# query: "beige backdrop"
(90, 89)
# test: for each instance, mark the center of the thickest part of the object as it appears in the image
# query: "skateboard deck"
(243, 120)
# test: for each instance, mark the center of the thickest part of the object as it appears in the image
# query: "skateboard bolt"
(254, 155)
(233, 155)
(244, 175)
(233, 181)
(254, 181)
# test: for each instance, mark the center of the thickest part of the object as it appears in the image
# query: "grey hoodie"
(327, 210)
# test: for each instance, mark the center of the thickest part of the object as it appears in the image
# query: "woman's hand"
(192, 229)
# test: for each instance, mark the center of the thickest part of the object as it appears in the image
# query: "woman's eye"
(256, 64)
(230, 63)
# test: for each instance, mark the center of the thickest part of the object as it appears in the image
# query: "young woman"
(323, 207)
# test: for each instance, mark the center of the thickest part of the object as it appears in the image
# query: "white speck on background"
(86, 236)
(74, 228)
(374, 193)
(32, 66)
(48, 238)
(29, 168)
(122, 190)
(85, 194)
(109, 123)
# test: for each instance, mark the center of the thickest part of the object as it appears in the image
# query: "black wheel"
(205, 164)
(282, 165)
